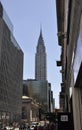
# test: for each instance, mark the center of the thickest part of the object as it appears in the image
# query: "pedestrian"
(40, 128)
(35, 127)
(52, 126)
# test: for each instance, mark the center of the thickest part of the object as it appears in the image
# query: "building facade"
(35, 99)
(73, 58)
(11, 71)
(62, 14)
(30, 110)
(40, 60)
(39, 91)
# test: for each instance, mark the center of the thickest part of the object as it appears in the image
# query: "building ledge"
(59, 63)
(62, 71)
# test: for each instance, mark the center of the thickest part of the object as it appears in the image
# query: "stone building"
(72, 57)
(62, 14)
(30, 110)
(11, 71)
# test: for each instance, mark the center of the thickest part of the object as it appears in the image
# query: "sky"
(27, 16)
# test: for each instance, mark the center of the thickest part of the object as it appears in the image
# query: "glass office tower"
(11, 71)
(39, 90)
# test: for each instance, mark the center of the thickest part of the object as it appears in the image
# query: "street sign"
(64, 117)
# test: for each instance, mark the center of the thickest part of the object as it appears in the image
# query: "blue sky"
(26, 17)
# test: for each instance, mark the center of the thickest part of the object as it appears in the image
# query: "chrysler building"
(40, 60)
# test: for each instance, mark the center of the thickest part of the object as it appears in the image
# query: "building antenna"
(40, 28)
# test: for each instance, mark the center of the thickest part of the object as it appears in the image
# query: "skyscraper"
(11, 71)
(40, 59)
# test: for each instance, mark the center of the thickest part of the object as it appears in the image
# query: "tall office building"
(11, 71)
(39, 91)
(40, 59)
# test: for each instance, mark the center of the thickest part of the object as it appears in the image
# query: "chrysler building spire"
(40, 59)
